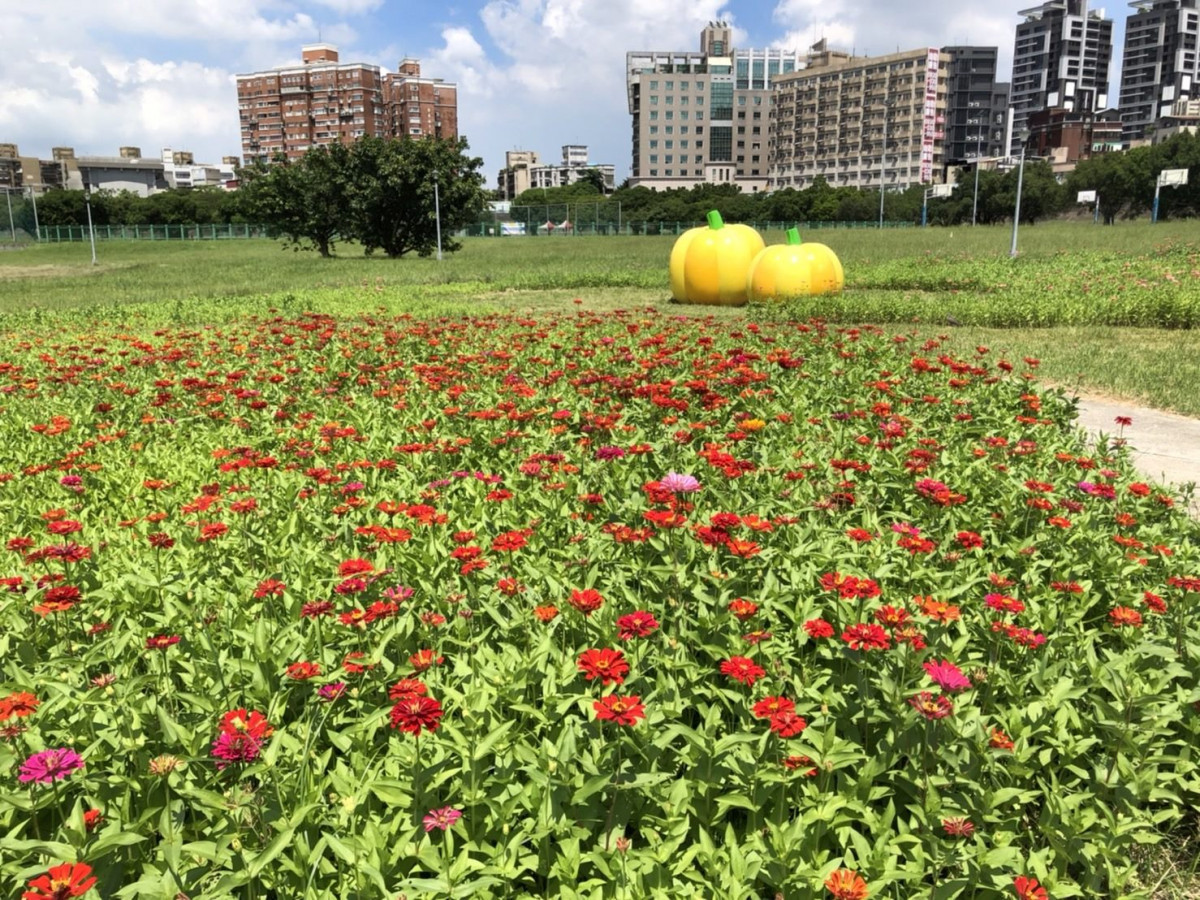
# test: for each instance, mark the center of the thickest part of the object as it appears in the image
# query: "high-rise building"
(1159, 65)
(702, 116)
(322, 100)
(419, 107)
(1061, 56)
(860, 121)
(514, 177)
(976, 105)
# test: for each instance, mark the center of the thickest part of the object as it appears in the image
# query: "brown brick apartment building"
(322, 101)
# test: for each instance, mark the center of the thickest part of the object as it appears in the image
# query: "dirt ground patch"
(14, 273)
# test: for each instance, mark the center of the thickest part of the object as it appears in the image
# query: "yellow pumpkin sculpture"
(709, 264)
(794, 269)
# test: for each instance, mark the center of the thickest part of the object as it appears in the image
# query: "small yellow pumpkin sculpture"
(709, 264)
(794, 269)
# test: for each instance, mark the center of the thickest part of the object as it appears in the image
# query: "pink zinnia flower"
(948, 676)
(241, 747)
(331, 691)
(441, 818)
(679, 484)
(50, 765)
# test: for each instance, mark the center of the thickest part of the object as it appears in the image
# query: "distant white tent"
(548, 225)
(566, 225)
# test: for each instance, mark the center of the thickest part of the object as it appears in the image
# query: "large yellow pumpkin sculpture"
(709, 264)
(794, 269)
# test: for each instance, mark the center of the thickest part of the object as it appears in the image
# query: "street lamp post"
(87, 199)
(883, 161)
(12, 228)
(37, 229)
(978, 158)
(1023, 136)
(437, 215)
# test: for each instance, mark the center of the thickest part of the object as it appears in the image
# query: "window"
(670, 115)
(654, 99)
(683, 101)
(653, 145)
(721, 94)
(670, 100)
(683, 114)
(670, 85)
(654, 85)
(654, 173)
(668, 172)
(670, 129)
(668, 158)
(653, 115)
(683, 145)
(653, 157)
(720, 144)
(654, 129)
(742, 100)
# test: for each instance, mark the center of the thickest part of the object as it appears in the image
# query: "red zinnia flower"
(60, 882)
(1028, 888)
(787, 724)
(969, 540)
(545, 614)
(414, 713)
(355, 567)
(269, 588)
(818, 628)
(510, 541)
(846, 884)
(772, 706)
(636, 624)
(866, 637)
(162, 641)
(932, 707)
(302, 671)
(407, 687)
(242, 721)
(587, 601)
(621, 710)
(743, 669)
(607, 665)
(743, 609)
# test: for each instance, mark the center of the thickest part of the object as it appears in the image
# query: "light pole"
(87, 199)
(12, 229)
(37, 229)
(1022, 136)
(883, 159)
(978, 158)
(437, 215)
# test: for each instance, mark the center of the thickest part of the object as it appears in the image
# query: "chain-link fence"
(59, 233)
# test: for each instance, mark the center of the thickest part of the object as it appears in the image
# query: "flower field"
(623, 605)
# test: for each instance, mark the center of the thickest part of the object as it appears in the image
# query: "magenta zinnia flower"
(441, 818)
(679, 484)
(50, 765)
(241, 747)
(948, 676)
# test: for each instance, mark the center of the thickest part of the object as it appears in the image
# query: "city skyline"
(531, 74)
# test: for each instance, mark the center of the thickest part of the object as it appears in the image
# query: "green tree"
(595, 178)
(305, 202)
(391, 193)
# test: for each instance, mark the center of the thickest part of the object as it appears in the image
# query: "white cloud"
(351, 7)
(559, 76)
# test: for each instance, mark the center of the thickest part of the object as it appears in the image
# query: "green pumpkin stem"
(715, 220)
(793, 236)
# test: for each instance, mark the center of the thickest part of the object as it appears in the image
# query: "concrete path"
(1166, 447)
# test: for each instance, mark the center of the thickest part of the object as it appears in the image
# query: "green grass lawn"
(1067, 299)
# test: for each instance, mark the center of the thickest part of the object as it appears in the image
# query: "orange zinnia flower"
(846, 884)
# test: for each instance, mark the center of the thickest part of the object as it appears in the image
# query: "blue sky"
(532, 74)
